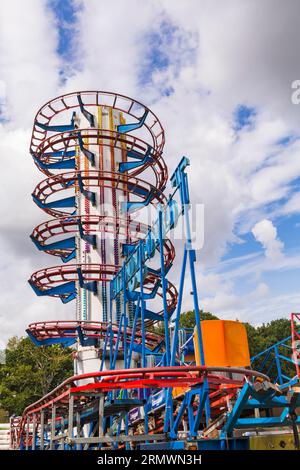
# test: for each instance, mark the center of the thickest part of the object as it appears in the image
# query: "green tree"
(30, 372)
(187, 319)
(266, 335)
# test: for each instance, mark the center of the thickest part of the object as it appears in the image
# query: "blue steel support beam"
(174, 428)
(278, 365)
(67, 243)
(246, 423)
(89, 116)
(68, 298)
(179, 181)
(83, 340)
(169, 401)
(143, 308)
(117, 342)
(89, 155)
(61, 290)
(58, 204)
(57, 128)
(69, 257)
(67, 164)
(124, 128)
(277, 359)
(164, 289)
(125, 315)
(49, 341)
(105, 347)
(143, 160)
(91, 285)
(134, 205)
(279, 343)
(237, 410)
(91, 239)
(135, 319)
(90, 195)
(275, 402)
(201, 406)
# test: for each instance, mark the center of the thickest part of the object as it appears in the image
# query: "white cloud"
(265, 233)
(28, 61)
(261, 291)
(292, 206)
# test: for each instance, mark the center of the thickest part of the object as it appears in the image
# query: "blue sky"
(223, 96)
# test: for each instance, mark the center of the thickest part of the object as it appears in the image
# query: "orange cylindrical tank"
(225, 344)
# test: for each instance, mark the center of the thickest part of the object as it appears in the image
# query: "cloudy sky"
(219, 76)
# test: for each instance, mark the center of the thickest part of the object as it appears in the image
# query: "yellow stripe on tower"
(123, 144)
(77, 166)
(112, 150)
(86, 162)
(100, 126)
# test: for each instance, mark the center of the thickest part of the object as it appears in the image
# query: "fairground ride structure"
(140, 380)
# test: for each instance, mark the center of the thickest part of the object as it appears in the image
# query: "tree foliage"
(187, 319)
(30, 372)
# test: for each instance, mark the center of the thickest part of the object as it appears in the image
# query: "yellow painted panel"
(100, 117)
(225, 344)
(177, 391)
(272, 442)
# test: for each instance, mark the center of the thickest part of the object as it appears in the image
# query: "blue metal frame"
(271, 360)
(250, 398)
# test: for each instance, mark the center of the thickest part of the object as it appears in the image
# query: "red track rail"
(93, 179)
(96, 224)
(96, 330)
(295, 317)
(162, 377)
(117, 378)
(47, 277)
(69, 141)
(52, 110)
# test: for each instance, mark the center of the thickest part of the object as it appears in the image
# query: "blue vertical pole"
(133, 333)
(125, 315)
(111, 330)
(169, 401)
(277, 360)
(141, 256)
(164, 288)
(143, 307)
(107, 335)
(184, 196)
(178, 310)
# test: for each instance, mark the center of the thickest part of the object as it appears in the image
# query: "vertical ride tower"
(101, 154)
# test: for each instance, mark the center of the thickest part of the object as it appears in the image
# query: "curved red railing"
(66, 140)
(131, 108)
(131, 231)
(153, 377)
(96, 330)
(117, 378)
(142, 190)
